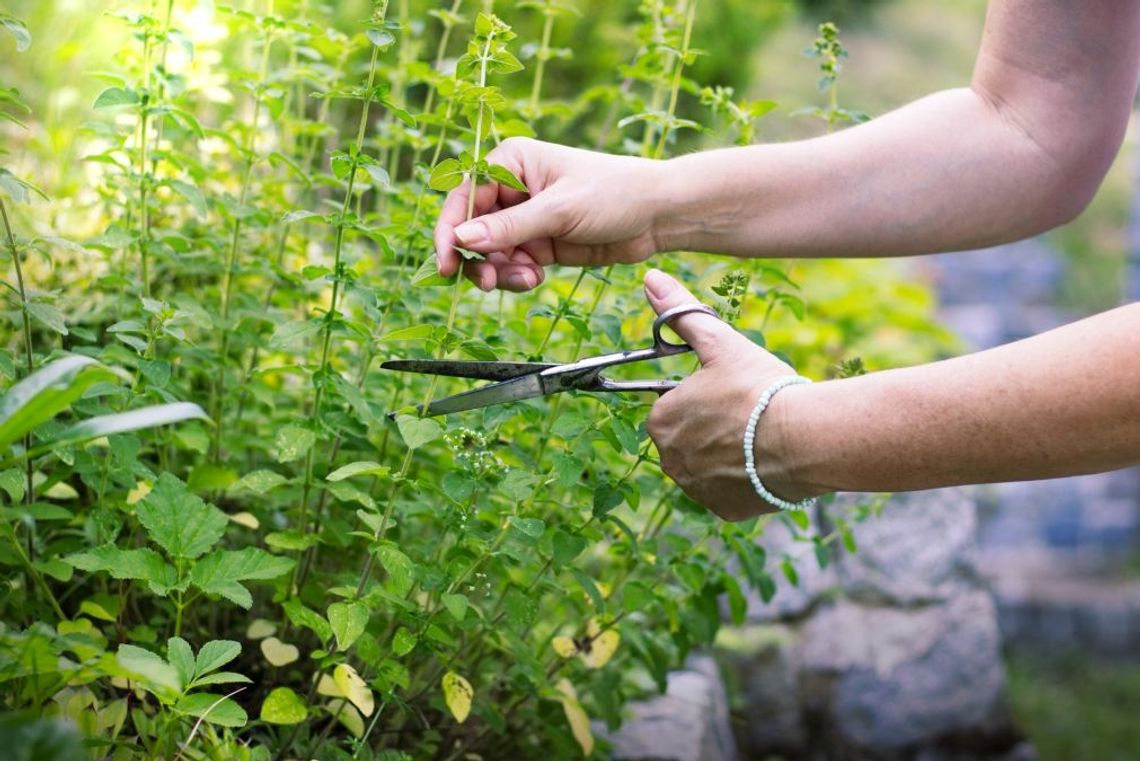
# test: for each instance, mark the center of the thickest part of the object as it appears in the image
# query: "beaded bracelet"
(750, 440)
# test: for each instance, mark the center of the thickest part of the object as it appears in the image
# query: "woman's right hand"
(582, 209)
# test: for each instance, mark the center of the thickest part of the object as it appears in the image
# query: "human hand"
(699, 426)
(583, 209)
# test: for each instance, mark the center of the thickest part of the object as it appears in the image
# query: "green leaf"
(191, 194)
(221, 571)
(348, 621)
(17, 29)
(566, 547)
(446, 175)
(606, 498)
(456, 485)
(283, 706)
(590, 588)
(403, 642)
(215, 709)
(47, 392)
(293, 442)
(504, 176)
(411, 333)
(427, 276)
(140, 565)
(181, 657)
(179, 521)
(532, 527)
(15, 483)
(116, 96)
(47, 315)
(417, 431)
(291, 333)
(149, 668)
(258, 482)
(123, 422)
(518, 484)
(362, 468)
(215, 654)
(399, 567)
(456, 605)
(311, 620)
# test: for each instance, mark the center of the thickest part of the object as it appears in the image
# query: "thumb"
(509, 228)
(708, 335)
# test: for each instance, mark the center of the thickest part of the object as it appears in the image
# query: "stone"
(889, 679)
(919, 550)
(688, 723)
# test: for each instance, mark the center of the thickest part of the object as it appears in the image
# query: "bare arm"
(1062, 403)
(1022, 150)
(1019, 151)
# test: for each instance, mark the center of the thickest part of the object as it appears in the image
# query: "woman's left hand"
(699, 426)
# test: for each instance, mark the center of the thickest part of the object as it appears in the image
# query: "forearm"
(940, 174)
(1019, 151)
(1062, 403)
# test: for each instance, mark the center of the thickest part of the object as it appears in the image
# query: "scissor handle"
(666, 348)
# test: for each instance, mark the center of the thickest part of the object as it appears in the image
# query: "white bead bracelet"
(750, 441)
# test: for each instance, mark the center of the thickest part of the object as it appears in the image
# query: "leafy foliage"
(301, 576)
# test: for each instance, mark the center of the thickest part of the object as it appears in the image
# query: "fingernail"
(471, 233)
(519, 280)
(659, 284)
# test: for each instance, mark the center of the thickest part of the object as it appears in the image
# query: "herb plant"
(297, 576)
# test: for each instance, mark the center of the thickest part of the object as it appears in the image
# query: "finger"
(520, 273)
(511, 227)
(708, 335)
(453, 214)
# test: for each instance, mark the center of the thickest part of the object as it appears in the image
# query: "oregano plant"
(217, 542)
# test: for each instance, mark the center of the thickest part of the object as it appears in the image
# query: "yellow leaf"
(604, 588)
(564, 646)
(576, 716)
(354, 688)
(326, 686)
(259, 628)
(602, 646)
(347, 715)
(142, 488)
(249, 520)
(457, 692)
(279, 653)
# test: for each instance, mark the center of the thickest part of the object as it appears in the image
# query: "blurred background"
(1060, 560)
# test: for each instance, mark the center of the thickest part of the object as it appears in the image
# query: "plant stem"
(330, 316)
(219, 390)
(677, 72)
(540, 66)
(29, 494)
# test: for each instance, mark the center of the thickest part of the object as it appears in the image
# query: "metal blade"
(496, 371)
(525, 387)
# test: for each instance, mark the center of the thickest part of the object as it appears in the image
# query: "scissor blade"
(496, 371)
(514, 390)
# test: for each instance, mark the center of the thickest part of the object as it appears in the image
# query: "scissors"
(516, 381)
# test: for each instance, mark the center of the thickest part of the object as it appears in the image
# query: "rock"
(762, 676)
(1051, 614)
(888, 679)
(688, 723)
(921, 549)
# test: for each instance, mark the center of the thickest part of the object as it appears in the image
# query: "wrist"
(780, 449)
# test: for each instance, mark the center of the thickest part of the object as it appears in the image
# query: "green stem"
(563, 308)
(677, 72)
(330, 316)
(232, 256)
(29, 495)
(540, 66)
(31, 569)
